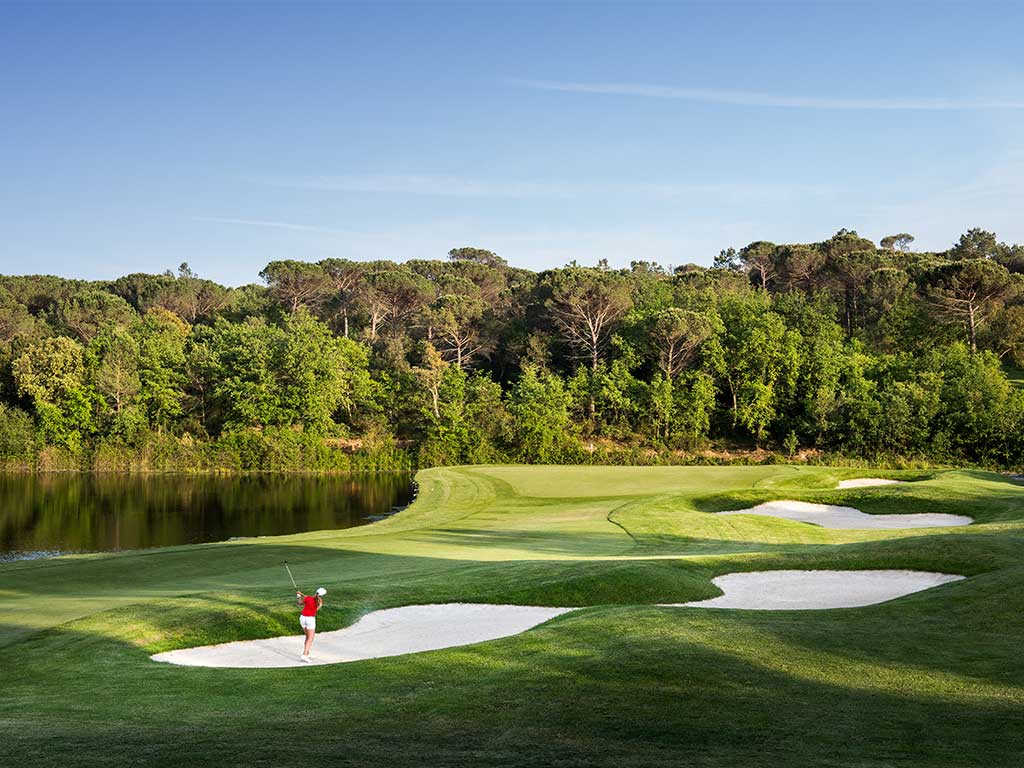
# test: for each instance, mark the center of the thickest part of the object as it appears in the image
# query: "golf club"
(290, 575)
(293, 578)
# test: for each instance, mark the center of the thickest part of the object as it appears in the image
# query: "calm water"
(44, 515)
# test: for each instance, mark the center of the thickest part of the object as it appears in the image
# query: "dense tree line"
(839, 346)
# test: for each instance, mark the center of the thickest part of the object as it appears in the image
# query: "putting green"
(935, 678)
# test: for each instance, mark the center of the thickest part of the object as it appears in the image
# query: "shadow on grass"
(66, 589)
(166, 617)
(969, 626)
(609, 687)
(583, 543)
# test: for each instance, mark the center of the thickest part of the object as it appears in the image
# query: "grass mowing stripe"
(932, 679)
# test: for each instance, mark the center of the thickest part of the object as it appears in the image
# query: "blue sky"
(139, 136)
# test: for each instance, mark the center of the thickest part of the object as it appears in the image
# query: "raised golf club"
(290, 576)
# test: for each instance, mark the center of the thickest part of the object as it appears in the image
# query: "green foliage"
(238, 373)
(478, 255)
(760, 363)
(976, 244)
(396, 296)
(898, 242)
(583, 305)
(857, 351)
(162, 338)
(676, 336)
(117, 371)
(1006, 334)
(295, 283)
(539, 406)
(17, 434)
(694, 407)
(320, 377)
(52, 374)
(282, 448)
(968, 291)
(88, 313)
(15, 319)
(470, 424)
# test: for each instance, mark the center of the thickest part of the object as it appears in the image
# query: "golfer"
(307, 619)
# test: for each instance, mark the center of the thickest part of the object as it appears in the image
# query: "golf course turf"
(932, 679)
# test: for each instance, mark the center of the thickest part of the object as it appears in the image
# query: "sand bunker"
(828, 516)
(390, 632)
(815, 590)
(417, 628)
(867, 482)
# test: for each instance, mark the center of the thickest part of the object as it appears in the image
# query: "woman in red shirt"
(307, 619)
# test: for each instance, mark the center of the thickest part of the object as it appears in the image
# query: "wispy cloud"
(450, 186)
(992, 199)
(756, 99)
(268, 224)
(315, 232)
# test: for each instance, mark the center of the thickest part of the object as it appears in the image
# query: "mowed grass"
(932, 679)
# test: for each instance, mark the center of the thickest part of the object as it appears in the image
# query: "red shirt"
(309, 606)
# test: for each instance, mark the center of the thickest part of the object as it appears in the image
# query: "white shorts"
(308, 622)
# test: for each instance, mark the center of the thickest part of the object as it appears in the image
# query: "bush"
(17, 434)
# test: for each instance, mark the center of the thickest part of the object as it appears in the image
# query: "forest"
(812, 352)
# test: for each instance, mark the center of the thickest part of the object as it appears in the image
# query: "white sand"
(391, 632)
(815, 590)
(417, 628)
(829, 516)
(866, 482)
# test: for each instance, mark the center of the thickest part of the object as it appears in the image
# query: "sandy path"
(815, 590)
(867, 482)
(418, 628)
(390, 632)
(829, 516)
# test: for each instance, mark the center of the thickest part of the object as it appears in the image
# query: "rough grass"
(932, 679)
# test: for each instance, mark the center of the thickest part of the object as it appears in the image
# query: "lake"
(45, 515)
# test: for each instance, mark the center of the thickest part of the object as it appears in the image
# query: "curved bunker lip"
(868, 482)
(849, 518)
(816, 590)
(388, 632)
(419, 628)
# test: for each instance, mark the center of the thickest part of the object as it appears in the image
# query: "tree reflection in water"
(48, 514)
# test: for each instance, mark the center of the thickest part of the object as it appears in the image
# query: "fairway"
(935, 678)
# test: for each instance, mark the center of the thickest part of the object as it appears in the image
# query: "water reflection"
(42, 515)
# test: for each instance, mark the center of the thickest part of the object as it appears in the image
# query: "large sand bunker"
(867, 482)
(829, 516)
(390, 632)
(417, 628)
(815, 590)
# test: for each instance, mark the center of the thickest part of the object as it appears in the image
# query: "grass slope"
(933, 679)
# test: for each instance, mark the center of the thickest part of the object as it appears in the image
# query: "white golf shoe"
(305, 658)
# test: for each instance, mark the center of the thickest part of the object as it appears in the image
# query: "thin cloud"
(754, 99)
(991, 199)
(449, 186)
(351, 234)
(529, 247)
(268, 224)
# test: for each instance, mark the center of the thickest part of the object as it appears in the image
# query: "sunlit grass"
(933, 679)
